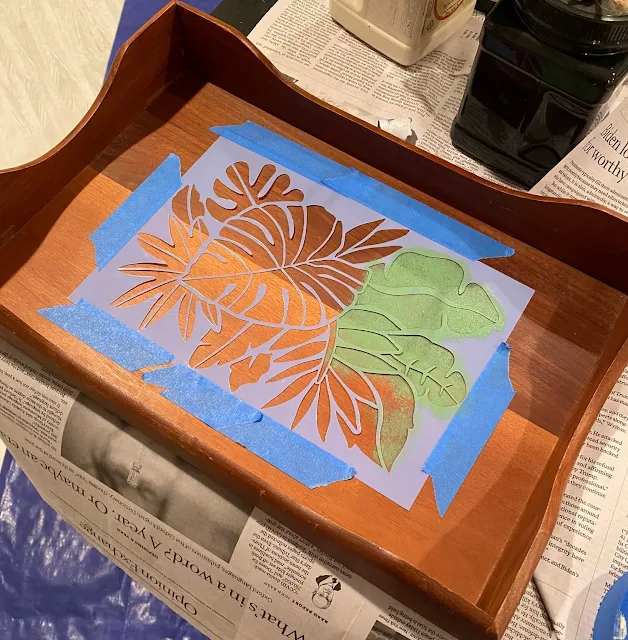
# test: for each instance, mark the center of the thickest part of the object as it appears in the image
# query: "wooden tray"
(184, 72)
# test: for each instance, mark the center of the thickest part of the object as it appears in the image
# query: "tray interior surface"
(556, 348)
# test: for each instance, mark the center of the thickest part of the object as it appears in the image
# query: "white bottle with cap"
(404, 30)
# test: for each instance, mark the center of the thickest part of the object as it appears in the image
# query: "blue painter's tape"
(367, 191)
(419, 217)
(201, 397)
(271, 441)
(136, 210)
(613, 608)
(471, 427)
(108, 336)
(287, 153)
(289, 452)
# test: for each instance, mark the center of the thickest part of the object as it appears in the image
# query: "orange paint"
(249, 370)
(298, 368)
(323, 410)
(306, 351)
(304, 405)
(292, 390)
(353, 380)
(276, 277)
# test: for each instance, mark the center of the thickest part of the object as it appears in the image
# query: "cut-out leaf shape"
(162, 277)
(379, 358)
(427, 366)
(428, 293)
(429, 371)
(274, 267)
(187, 205)
(243, 192)
(295, 300)
(283, 266)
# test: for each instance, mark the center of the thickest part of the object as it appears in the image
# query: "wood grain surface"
(465, 571)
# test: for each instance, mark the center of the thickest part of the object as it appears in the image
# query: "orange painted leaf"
(360, 256)
(249, 370)
(187, 313)
(296, 337)
(381, 432)
(354, 381)
(342, 397)
(292, 390)
(278, 262)
(304, 405)
(323, 410)
(296, 369)
(366, 439)
(243, 192)
(304, 351)
(232, 342)
(187, 205)
(359, 233)
(164, 276)
(397, 416)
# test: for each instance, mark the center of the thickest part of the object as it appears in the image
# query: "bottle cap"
(594, 26)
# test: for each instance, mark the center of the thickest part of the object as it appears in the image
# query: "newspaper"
(597, 169)
(229, 569)
(303, 42)
(236, 573)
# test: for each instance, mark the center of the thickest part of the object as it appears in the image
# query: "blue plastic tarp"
(55, 586)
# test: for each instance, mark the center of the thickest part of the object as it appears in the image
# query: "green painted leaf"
(370, 341)
(426, 293)
(369, 320)
(429, 370)
(363, 361)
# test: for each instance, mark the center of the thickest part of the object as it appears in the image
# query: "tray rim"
(493, 624)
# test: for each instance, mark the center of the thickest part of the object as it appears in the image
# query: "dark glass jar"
(542, 73)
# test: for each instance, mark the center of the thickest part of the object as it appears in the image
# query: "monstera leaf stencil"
(276, 267)
(341, 324)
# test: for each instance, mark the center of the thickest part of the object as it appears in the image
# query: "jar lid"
(592, 26)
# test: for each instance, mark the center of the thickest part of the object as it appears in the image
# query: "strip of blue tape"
(136, 210)
(271, 441)
(107, 335)
(367, 191)
(471, 427)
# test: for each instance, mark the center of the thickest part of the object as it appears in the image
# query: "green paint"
(368, 319)
(363, 361)
(371, 341)
(382, 336)
(429, 292)
(429, 370)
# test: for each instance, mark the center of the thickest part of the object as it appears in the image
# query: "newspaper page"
(589, 548)
(303, 42)
(597, 169)
(231, 570)
(228, 568)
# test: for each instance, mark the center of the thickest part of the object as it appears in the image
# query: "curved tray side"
(586, 236)
(127, 89)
